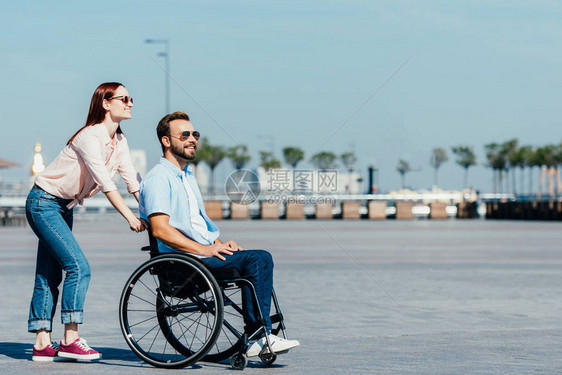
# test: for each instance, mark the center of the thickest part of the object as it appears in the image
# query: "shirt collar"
(188, 169)
(105, 134)
(174, 169)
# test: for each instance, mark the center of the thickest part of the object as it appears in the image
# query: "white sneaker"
(278, 344)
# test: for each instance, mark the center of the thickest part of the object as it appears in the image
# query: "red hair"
(96, 114)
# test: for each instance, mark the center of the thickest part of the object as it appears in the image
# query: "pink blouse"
(88, 165)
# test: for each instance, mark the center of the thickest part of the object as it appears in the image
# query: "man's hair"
(163, 128)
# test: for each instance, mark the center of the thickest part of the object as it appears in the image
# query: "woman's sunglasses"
(184, 136)
(124, 98)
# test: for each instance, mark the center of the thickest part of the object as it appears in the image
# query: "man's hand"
(232, 246)
(216, 249)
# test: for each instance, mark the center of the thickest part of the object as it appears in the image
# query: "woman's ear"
(105, 104)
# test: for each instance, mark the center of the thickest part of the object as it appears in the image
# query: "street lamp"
(373, 178)
(166, 56)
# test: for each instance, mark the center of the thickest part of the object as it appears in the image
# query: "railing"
(14, 191)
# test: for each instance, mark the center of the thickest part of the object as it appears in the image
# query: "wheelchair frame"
(175, 310)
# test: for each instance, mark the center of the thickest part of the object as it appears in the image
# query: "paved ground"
(423, 297)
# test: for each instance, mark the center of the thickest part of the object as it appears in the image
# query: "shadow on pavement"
(21, 351)
(16, 350)
(253, 362)
(117, 354)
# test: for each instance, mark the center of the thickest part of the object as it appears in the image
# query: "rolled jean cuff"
(39, 324)
(68, 317)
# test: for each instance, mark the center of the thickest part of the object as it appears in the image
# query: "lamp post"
(373, 178)
(166, 56)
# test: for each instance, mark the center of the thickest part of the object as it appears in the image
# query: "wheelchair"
(175, 311)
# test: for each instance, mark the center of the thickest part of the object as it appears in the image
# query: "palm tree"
(438, 157)
(268, 160)
(550, 156)
(518, 160)
(239, 155)
(465, 158)
(558, 160)
(530, 162)
(508, 149)
(540, 161)
(403, 167)
(201, 150)
(293, 155)
(213, 156)
(546, 156)
(496, 161)
(324, 160)
(349, 159)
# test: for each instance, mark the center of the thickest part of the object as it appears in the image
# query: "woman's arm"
(117, 201)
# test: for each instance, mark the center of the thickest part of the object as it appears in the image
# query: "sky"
(387, 80)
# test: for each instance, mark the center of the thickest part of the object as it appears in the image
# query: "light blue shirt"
(162, 191)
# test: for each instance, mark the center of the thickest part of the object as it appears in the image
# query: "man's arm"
(161, 229)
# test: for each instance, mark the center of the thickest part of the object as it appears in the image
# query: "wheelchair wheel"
(230, 338)
(171, 311)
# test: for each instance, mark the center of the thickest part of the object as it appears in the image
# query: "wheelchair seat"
(223, 274)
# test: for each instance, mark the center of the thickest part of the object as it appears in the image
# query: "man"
(171, 201)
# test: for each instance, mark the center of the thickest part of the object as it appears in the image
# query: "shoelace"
(83, 345)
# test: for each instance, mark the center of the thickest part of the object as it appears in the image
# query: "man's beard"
(181, 152)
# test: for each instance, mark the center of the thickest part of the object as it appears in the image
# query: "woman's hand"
(117, 201)
(138, 225)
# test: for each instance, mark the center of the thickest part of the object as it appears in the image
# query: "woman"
(84, 167)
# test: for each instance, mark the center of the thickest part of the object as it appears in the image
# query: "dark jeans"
(257, 267)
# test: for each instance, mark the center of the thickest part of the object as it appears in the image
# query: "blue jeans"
(257, 267)
(57, 251)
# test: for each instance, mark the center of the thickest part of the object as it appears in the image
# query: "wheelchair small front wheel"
(268, 358)
(239, 361)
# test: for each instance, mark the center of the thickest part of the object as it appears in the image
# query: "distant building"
(309, 181)
(202, 177)
(138, 157)
(350, 183)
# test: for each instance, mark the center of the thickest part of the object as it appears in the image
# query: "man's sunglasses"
(184, 136)
(124, 98)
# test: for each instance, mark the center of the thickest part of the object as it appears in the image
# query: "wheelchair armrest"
(147, 248)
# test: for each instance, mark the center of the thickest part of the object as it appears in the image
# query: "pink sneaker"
(48, 354)
(79, 349)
